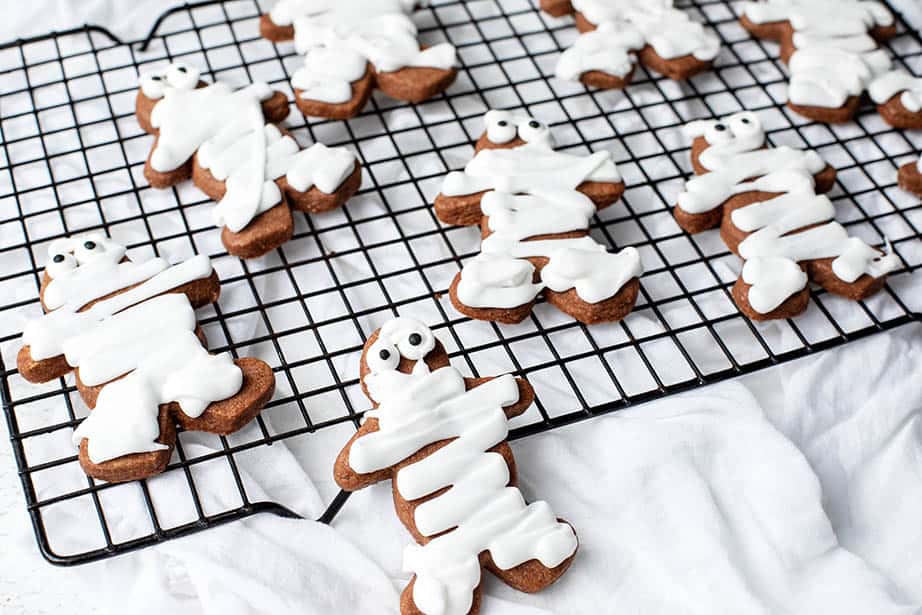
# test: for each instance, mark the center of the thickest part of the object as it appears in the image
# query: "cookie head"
(395, 356)
(740, 132)
(504, 127)
(68, 254)
(176, 76)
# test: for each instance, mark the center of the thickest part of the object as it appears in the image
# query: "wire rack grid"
(72, 159)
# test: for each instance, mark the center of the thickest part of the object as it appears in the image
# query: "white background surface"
(813, 510)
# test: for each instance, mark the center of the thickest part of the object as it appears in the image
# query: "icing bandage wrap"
(129, 329)
(440, 438)
(349, 46)
(769, 206)
(616, 34)
(238, 156)
(832, 51)
(535, 205)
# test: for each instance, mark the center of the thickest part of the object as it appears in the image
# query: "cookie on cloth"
(534, 205)
(909, 177)
(228, 143)
(351, 47)
(440, 438)
(833, 54)
(129, 331)
(771, 210)
(616, 34)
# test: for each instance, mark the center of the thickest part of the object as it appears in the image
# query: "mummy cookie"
(771, 210)
(227, 141)
(534, 205)
(440, 438)
(909, 177)
(616, 34)
(129, 330)
(831, 48)
(352, 46)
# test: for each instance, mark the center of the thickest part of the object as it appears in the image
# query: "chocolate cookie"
(228, 143)
(534, 206)
(832, 51)
(351, 47)
(616, 34)
(440, 438)
(769, 205)
(909, 177)
(129, 331)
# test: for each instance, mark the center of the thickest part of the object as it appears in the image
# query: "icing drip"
(797, 225)
(425, 407)
(624, 26)
(531, 193)
(140, 343)
(835, 58)
(894, 82)
(339, 37)
(227, 132)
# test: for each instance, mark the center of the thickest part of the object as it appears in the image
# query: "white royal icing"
(532, 192)
(894, 82)
(227, 131)
(338, 38)
(737, 162)
(626, 26)
(835, 58)
(419, 409)
(141, 333)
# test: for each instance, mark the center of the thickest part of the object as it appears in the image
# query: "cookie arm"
(347, 478)
(526, 394)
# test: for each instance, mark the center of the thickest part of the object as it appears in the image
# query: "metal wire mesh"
(72, 161)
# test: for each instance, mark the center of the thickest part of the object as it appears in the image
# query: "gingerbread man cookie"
(129, 330)
(534, 205)
(909, 177)
(227, 141)
(770, 207)
(832, 52)
(441, 440)
(352, 46)
(616, 34)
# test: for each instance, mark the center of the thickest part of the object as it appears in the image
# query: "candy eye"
(88, 250)
(745, 120)
(61, 264)
(719, 127)
(415, 339)
(182, 69)
(533, 131)
(156, 78)
(382, 357)
(502, 123)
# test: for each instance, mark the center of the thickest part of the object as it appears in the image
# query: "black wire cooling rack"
(72, 160)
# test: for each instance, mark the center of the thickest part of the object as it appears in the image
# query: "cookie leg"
(266, 232)
(531, 576)
(415, 84)
(361, 93)
(820, 272)
(314, 201)
(610, 310)
(137, 466)
(230, 415)
(408, 606)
